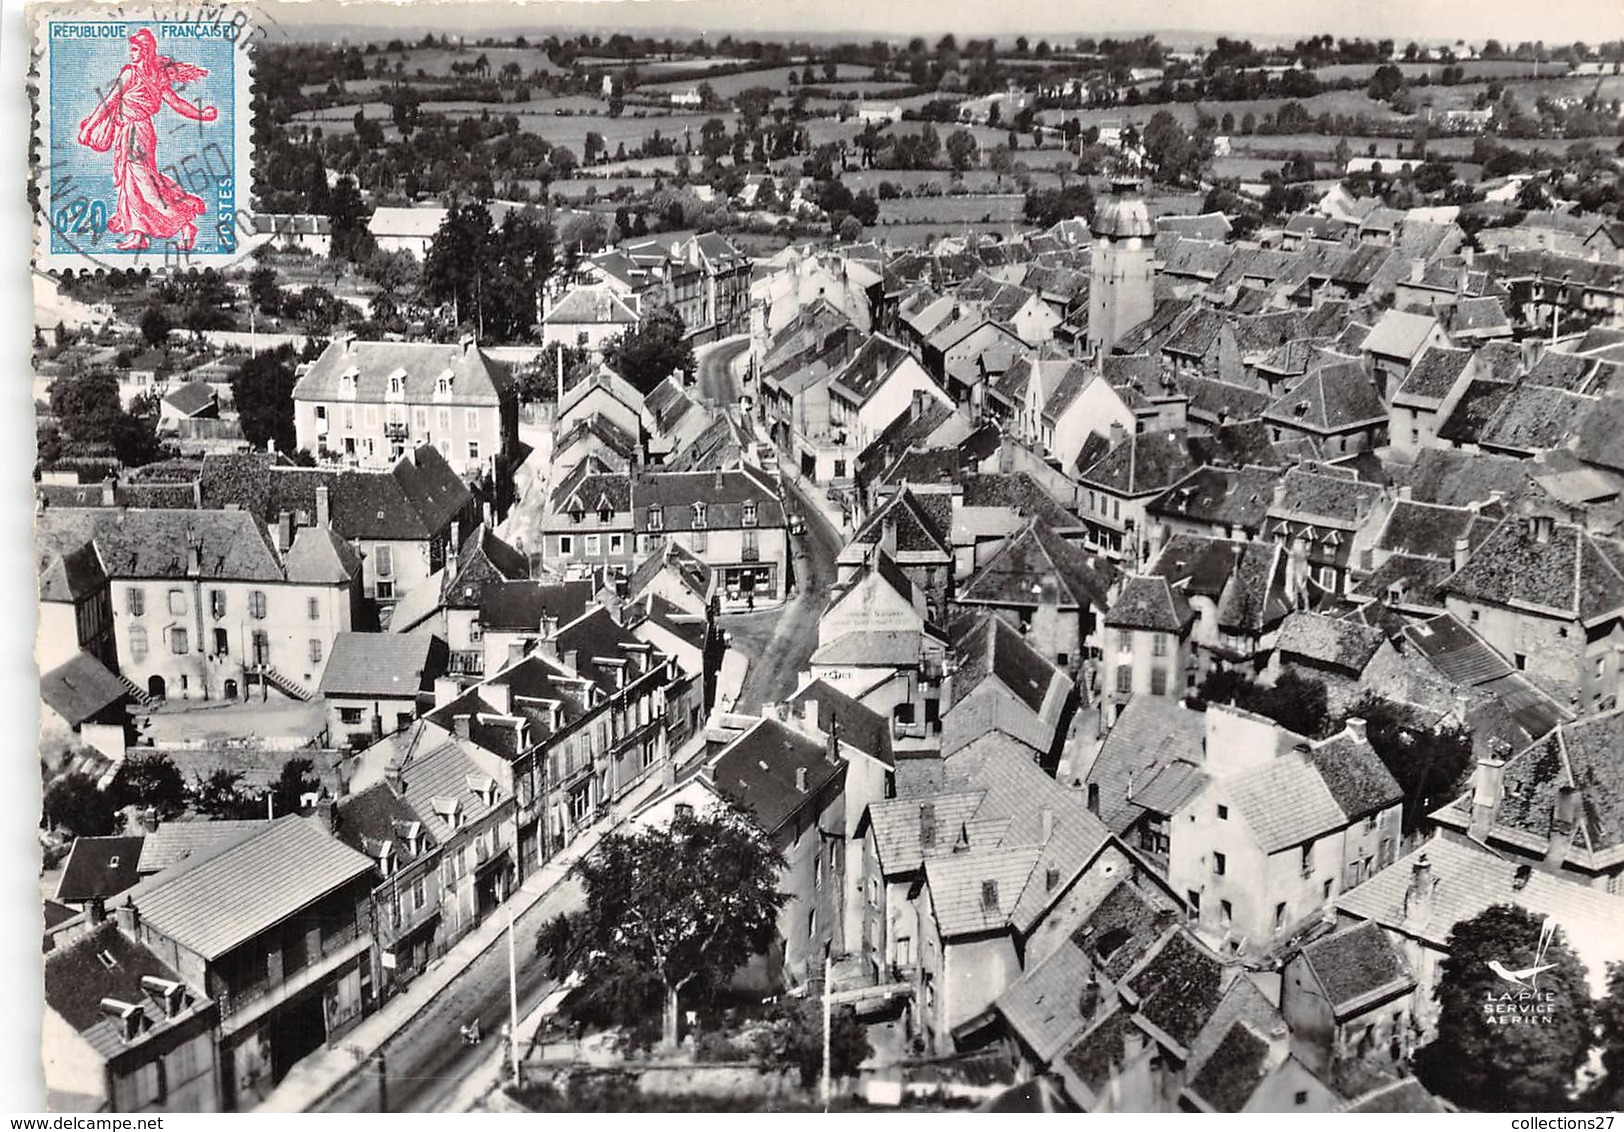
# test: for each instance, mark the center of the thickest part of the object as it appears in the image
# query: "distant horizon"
(1174, 21)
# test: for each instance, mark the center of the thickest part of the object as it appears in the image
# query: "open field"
(951, 210)
(775, 78)
(436, 63)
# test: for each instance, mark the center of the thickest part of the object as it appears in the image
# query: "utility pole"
(827, 1090)
(383, 1084)
(513, 998)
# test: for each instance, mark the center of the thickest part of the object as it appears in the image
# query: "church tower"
(1121, 291)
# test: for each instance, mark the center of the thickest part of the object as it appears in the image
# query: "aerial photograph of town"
(729, 557)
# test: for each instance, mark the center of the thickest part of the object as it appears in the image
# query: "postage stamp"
(142, 136)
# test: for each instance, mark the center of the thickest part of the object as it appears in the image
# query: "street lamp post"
(827, 968)
(513, 998)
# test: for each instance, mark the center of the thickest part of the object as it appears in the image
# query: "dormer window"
(750, 513)
(605, 514)
(699, 516)
(577, 516)
(397, 383)
(656, 517)
(348, 381)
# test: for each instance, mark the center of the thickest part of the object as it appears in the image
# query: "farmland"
(775, 78)
(951, 210)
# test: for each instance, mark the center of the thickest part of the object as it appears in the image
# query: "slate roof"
(1346, 645)
(1429, 530)
(1470, 880)
(1019, 492)
(1223, 400)
(1358, 968)
(1221, 497)
(416, 499)
(1399, 334)
(437, 769)
(175, 841)
(1233, 1071)
(81, 689)
(213, 904)
(757, 772)
(869, 367)
(959, 888)
(1315, 495)
(1178, 986)
(601, 428)
(190, 397)
(1143, 463)
(476, 379)
(1330, 398)
(1402, 1096)
(140, 545)
(1571, 573)
(1531, 418)
(922, 522)
(995, 649)
(1478, 404)
(1152, 734)
(1453, 478)
(105, 964)
(591, 305)
(382, 665)
(863, 728)
(1433, 375)
(723, 494)
(377, 816)
(668, 403)
(1581, 756)
(69, 573)
(1150, 602)
(98, 867)
(1285, 802)
(1031, 558)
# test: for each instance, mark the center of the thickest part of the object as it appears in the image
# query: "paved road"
(717, 382)
(774, 674)
(426, 1061)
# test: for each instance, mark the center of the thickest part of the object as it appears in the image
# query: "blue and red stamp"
(143, 131)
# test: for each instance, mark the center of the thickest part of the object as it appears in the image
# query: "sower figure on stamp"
(150, 205)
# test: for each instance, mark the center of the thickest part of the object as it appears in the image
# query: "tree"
(1428, 763)
(1294, 702)
(155, 326)
(351, 238)
(263, 290)
(75, 803)
(1608, 1093)
(150, 779)
(1478, 1060)
(649, 353)
(1047, 207)
(794, 1038)
(290, 787)
(220, 796)
(262, 388)
(682, 906)
(459, 258)
(961, 150)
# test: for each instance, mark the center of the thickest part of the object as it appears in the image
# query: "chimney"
(1045, 825)
(284, 531)
(461, 724)
(445, 690)
(129, 919)
(1118, 433)
(1006, 454)
(1356, 729)
(1466, 254)
(1279, 493)
(392, 776)
(809, 712)
(927, 825)
(888, 535)
(1405, 493)
(324, 510)
(500, 697)
(549, 624)
(327, 814)
(467, 343)
(377, 726)
(720, 482)
(800, 779)
(569, 658)
(1486, 789)
(1463, 706)
(1541, 525)
(453, 548)
(1564, 818)
(1418, 897)
(1418, 268)
(96, 911)
(989, 895)
(109, 490)
(515, 653)
(918, 405)
(1463, 551)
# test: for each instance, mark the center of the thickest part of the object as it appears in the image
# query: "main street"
(427, 1061)
(716, 379)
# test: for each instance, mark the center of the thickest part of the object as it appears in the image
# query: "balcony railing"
(750, 554)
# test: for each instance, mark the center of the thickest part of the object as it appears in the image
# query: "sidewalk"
(312, 1079)
(816, 496)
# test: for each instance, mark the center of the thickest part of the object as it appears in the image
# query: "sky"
(1424, 20)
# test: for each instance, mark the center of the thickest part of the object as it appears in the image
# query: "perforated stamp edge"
(47, 196)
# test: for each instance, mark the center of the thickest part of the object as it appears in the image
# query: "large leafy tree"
(220, 796)
(1608, 1093)
(492, 277)
(262, 388)
(678, 908)
(296, 780)
(150, 779)
(92, 419)
(647, 355)
(1428, 763)
(1294, 702)
(1487, 1065)
(459, 258)
(794, 1038)
(74, 802)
